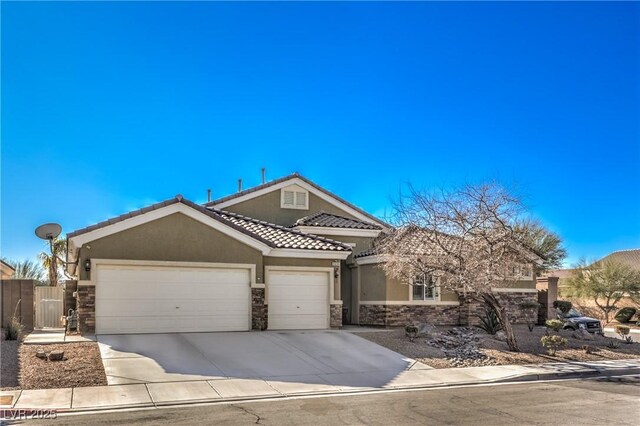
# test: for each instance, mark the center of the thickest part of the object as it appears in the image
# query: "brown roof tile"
(329, 220)
(268, 233)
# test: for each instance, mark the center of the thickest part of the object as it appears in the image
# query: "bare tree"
(606, 283)
(467, 238)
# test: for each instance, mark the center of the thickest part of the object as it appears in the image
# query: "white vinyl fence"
(49, 304)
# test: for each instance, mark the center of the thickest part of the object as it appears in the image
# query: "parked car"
(574, 320)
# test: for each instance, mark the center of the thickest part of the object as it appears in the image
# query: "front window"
(425, 287)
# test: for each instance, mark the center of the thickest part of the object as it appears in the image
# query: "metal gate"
(49, 304)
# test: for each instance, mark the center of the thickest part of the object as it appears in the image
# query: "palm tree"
(26, 269)
(52, 261)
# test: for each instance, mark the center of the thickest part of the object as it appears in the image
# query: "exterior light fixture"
(336, 268)
(87, 265)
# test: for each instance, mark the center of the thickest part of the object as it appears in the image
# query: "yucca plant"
(489, 321)
(13, 330)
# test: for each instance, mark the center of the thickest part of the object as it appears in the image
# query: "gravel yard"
(9, 364)
(21, 369)
(464, 347)
(82, 366)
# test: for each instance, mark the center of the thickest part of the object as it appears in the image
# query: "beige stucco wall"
(172, 238)
(373, 284)
(528, 284)
(267, 207)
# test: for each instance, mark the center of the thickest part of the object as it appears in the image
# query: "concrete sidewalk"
(45, 336)
(172, 393)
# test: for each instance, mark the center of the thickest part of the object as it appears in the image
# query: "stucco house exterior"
(287, 254)
(6, 270)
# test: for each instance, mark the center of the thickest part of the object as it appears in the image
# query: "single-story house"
(287, 254)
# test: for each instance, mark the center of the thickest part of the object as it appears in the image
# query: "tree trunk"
(503, 318)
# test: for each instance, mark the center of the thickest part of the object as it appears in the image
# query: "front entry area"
(298, 298)
(150, 298)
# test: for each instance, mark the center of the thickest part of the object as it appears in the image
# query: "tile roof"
(279, 236)
(334, 221)
(627, 257)
(284, 179)
(274, 236)
(371, 251)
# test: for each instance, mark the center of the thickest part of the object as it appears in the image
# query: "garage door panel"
(173, 290)
(300, 322)
(166, 307)
(152, 299)
(298, 299)
(161, 324)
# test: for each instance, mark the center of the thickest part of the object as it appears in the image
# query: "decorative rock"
(426, 329)
(582, 334)
(460, 345)
(56, 356)
(501, 336)
(40, 353)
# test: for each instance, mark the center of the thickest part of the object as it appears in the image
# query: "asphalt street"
(585, 402)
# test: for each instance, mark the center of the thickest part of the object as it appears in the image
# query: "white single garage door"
(156, 299)
(298, 299)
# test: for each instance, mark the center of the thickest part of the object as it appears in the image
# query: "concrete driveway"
(324, 358)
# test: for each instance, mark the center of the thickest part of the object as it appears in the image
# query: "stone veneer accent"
(335, 320)
(259, 311)
(399, 315)
(511, 301)
(87, 308)
(466, 314)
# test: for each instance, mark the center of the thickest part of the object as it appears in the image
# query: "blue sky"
(107, 107)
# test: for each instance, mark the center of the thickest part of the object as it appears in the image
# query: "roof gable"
(297, 179)
(261, 235)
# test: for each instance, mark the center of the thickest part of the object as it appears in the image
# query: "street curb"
(518, 378)
(570, 375)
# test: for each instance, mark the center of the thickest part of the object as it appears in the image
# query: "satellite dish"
(48, 231)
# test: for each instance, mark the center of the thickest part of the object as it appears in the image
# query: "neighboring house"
(6, 270)
(627, 257)
(286, 254)
(588, 306)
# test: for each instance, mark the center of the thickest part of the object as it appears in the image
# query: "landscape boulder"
(56, 355)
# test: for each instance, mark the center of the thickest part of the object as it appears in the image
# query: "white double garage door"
(139, 298)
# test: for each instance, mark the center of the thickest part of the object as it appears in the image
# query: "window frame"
(424, 287)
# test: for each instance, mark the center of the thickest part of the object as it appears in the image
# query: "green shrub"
(623, 330)
(554, 324)
(489, 321)
(411, 331)
(13, 330)
(563, 306)
(612, 344)
(625, 314)
(552, 343)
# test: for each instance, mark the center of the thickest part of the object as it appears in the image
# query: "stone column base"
(335, 320)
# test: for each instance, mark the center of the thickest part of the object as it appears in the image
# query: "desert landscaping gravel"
(82, 366)
(9, 364)
(425, 350)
